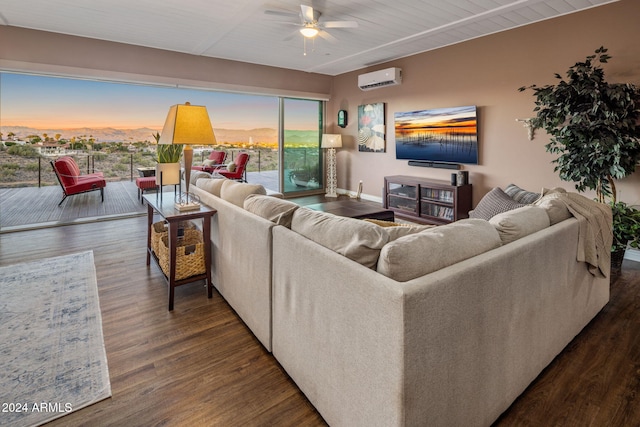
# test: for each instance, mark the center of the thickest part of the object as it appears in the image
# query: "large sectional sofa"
(406, 325)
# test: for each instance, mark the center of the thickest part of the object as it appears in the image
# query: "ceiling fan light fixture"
(309, 32)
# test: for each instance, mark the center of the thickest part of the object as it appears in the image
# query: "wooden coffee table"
(348, 207)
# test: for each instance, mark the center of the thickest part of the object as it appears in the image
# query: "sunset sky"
(60, 103)
(457, 117)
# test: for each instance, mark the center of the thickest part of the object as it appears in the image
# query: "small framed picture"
(371, 128)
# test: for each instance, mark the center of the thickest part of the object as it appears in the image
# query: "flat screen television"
(442, 135)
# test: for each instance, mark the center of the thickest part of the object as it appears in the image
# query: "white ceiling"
(241, 30)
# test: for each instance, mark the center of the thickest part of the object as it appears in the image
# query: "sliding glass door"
(300, 135)
(111, 127)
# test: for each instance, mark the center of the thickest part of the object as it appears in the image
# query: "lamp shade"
(187, 124)
(331, 141)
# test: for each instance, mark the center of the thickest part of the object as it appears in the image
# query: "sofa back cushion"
(274, 209)
(210, 185)
(556, 208)
(520, 222)
(395, 230)
(195, 175)
(422, 253)
(355, 239)
(235, 192)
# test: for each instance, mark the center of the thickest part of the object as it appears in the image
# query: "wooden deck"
(25, 208)
(37, 207)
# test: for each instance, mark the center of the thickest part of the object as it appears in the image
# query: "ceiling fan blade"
(328, 37)
(292, 35)
(276, 12)
(340, 24)
(286, 23)
(308, 14)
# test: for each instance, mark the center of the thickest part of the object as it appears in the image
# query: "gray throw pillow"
(494, 202)
(520, 195)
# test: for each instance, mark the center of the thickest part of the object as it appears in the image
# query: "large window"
(50, 116)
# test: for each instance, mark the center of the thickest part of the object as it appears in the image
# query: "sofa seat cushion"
(235, 192)
(517, 223)
(274, 209)
(494, 202)
(355, 239)
(422, 253)
(87, 183)
(212, 186)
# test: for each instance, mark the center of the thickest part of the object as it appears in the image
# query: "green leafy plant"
(167, 153)
(626, 226)
(593, 126)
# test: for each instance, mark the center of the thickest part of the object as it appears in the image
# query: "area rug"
(52, 355)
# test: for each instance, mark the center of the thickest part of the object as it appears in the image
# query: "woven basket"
(189, 254)
(160, 229)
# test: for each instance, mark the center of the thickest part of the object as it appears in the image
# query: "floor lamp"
(331, 142)
(188, 125)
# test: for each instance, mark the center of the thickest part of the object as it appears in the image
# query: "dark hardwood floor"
(199, 365)
(196, 366)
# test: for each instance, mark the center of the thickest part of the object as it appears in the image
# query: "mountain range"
(232, 136)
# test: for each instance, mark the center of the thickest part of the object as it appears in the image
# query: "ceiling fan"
(310, 25)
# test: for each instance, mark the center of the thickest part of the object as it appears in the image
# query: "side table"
(165, 208)
(147, 172)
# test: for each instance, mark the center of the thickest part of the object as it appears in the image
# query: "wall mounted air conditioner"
(380, 78)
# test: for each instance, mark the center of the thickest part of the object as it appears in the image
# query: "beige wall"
(487, 72)
(38, 51)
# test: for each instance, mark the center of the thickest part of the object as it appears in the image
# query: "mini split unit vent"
(380, 78)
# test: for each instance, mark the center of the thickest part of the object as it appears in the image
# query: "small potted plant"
(626, 232)
(168, 167)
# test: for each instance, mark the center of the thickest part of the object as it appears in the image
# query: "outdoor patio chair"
(239, 169)
(72, 182)
(216, 159)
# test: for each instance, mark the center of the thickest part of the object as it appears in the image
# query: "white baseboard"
(362, 196)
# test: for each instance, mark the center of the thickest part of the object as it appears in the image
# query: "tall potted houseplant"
(594, 130)
(168, 167)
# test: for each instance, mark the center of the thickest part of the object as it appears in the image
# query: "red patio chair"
(240, 172)
(216, 159)
(72, 182)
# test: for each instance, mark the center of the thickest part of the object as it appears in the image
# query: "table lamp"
(331, 142)
(188, 125)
